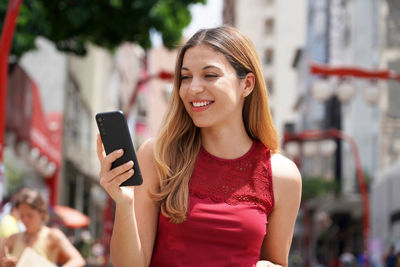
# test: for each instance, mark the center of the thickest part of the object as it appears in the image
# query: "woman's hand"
(266, 264)
(110, 180)
(8, 261)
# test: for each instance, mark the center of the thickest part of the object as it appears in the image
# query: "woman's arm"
(136, 216)
(6, 244)
(68, 255)
(281, 221)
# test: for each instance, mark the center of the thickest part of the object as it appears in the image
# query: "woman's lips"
(198, 106)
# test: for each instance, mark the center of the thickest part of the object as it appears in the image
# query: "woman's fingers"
(118, 180)
(111, 179)
(112, 174)
(107, 161)
(121, 169)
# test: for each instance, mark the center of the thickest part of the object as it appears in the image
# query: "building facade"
(277, 29)
(351, 34)
(385, 202)
(96, 83)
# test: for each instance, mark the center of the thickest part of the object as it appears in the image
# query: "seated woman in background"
(49, 243)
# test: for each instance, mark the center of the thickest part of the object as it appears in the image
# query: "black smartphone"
(115, 134)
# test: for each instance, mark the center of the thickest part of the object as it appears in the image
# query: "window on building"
(270, 86)
(272, 113)
(269, 2)
(268, 56)
(77, 117)
(269, 26)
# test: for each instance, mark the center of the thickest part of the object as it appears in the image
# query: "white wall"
(289, 34)
(47, 66)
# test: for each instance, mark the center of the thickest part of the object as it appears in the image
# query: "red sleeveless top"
(229, 202)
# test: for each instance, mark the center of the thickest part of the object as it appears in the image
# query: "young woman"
(215, 191)
(49, 243)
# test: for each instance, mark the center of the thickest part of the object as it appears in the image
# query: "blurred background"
(332, 69)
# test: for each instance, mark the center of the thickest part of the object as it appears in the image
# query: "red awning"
(70, 217)
(25, 117)
(40, 134)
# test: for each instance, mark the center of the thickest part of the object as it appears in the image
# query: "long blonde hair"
(179, 141)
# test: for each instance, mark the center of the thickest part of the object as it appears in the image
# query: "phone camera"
(99, 119)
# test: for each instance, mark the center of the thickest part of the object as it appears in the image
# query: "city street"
(332, 73)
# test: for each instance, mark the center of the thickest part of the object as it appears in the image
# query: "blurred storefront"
(385, 207)
(335, 200)
(385, 196)
(33, 138)
(98, 82)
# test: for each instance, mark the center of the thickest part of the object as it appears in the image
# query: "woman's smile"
(198, 106)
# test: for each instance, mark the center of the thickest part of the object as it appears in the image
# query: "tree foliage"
(71, 24)
(315, 187)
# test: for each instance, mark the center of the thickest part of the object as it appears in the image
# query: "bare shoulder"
(146, 149)
(146, 160)
(284, 168)
(145, 152)
(56, 234)
(286, 177)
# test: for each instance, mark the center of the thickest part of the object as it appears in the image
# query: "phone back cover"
(115, 136)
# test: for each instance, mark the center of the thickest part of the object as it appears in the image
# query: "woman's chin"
(201, 124)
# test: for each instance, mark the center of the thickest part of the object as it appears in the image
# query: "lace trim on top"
(247, 179)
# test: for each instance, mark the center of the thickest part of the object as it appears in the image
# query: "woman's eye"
(184, 77)
(211, 75)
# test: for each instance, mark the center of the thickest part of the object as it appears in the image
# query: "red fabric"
(229, 203)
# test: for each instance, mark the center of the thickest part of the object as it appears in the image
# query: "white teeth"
(200, 104)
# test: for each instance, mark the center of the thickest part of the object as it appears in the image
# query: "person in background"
(216, 191)
(49, 243)
(9, 223)
(347, 259)
(390, 258)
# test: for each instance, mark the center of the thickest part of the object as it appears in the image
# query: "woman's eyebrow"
(210, 66)
(204, 68)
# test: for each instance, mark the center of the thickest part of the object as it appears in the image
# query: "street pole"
(5, 45)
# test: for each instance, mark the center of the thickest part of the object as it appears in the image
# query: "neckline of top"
(244, 156)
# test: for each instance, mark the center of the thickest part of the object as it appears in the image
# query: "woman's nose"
(196, 85)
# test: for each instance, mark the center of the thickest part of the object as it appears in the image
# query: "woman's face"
(212, 93)
(31, 218)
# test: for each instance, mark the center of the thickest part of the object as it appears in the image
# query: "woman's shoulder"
(147, 162)
(286, 175)
(54, 234)
(284, 167)
(146, 149)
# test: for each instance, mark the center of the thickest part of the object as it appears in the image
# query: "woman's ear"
(249, 82)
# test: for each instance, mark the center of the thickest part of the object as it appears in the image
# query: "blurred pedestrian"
(49, 243)
(398, 259)
(85, 243)
(390, 258)
(98, 252)
(9, 223)
(347, 259)
(212, 179)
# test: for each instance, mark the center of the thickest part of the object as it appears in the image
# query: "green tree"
(71, 24)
